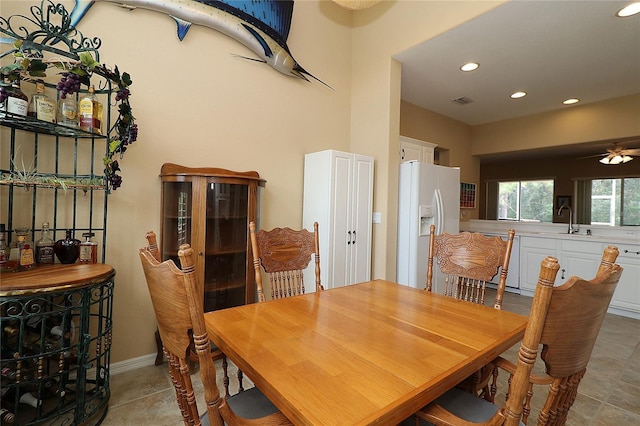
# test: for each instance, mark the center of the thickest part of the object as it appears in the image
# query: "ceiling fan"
(617, 155)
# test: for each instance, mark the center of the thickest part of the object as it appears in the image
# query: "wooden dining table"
(369, 353)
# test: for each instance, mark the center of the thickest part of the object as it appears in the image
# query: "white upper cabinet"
(416, 150)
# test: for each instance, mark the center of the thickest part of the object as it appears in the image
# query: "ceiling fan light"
(626, 158)
(629, 10)
(604, 160)
(617, 159)
(470, 66)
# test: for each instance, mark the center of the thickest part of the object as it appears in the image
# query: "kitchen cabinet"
(416, 150)
(210, 209)
(533, 250)
(338, 194)
(576, 257)
(582, 258)
(627, 295)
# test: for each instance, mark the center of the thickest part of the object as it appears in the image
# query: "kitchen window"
(614, 202)
(525, 201)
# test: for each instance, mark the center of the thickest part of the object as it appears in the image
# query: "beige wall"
(379, 33)
(599, 121)
(198, 105)
(448, 134)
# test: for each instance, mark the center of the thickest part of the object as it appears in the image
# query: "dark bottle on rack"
(68, 249)
(17, 102)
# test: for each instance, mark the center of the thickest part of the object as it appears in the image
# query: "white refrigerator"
(427, 194)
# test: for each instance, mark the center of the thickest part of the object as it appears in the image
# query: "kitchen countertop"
(599, 233)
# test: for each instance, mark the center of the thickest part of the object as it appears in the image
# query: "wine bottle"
(17, 102)
(68, 249)
(6, 416)
(29, 399)
(8, 373)
(11, 330)
(53, 387)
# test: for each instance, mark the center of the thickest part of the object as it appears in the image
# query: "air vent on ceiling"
(462, 100)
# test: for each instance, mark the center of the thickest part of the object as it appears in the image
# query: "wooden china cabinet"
(210, 209)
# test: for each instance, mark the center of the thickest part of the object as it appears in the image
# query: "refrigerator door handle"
(354, 237)
(349, 242)
(439, 212)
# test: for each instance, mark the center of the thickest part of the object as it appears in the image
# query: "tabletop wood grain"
(370, 353)
(53, 278)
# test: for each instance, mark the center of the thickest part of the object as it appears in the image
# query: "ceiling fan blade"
(634, 151)
(594, 156)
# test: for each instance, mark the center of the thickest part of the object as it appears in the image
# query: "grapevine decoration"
(73, 74)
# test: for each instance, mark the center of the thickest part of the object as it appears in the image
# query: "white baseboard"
(132, 364)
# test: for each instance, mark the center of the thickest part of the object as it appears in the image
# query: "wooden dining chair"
(469, 261)
(284, 254)
(566, 321)
(216, 354)
(178, 305)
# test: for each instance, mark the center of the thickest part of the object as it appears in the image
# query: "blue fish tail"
(79, 10)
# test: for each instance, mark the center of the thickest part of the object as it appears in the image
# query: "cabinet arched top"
(170, 169)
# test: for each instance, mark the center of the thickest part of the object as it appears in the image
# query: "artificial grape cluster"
(3, 94)
(122, 94)
(114, 179)
(68, 84)
(132, 133)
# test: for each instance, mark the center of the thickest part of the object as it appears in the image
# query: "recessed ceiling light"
(571, 101)
(629, 10)
(517, 95)
(469, 66)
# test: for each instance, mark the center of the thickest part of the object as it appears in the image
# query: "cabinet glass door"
(226, 246)
(176, 209)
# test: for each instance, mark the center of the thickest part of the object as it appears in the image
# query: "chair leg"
(160, 354)
(240, 377)
(225, 376)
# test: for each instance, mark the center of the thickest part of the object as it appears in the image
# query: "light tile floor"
(609, 394)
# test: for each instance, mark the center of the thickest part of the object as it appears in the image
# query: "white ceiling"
(553, 50)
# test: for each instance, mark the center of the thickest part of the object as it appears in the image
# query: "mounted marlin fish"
(261, 25)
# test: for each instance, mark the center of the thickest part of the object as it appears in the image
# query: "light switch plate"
(377, 217)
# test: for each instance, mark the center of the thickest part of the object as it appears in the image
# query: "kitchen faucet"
(570, 230)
